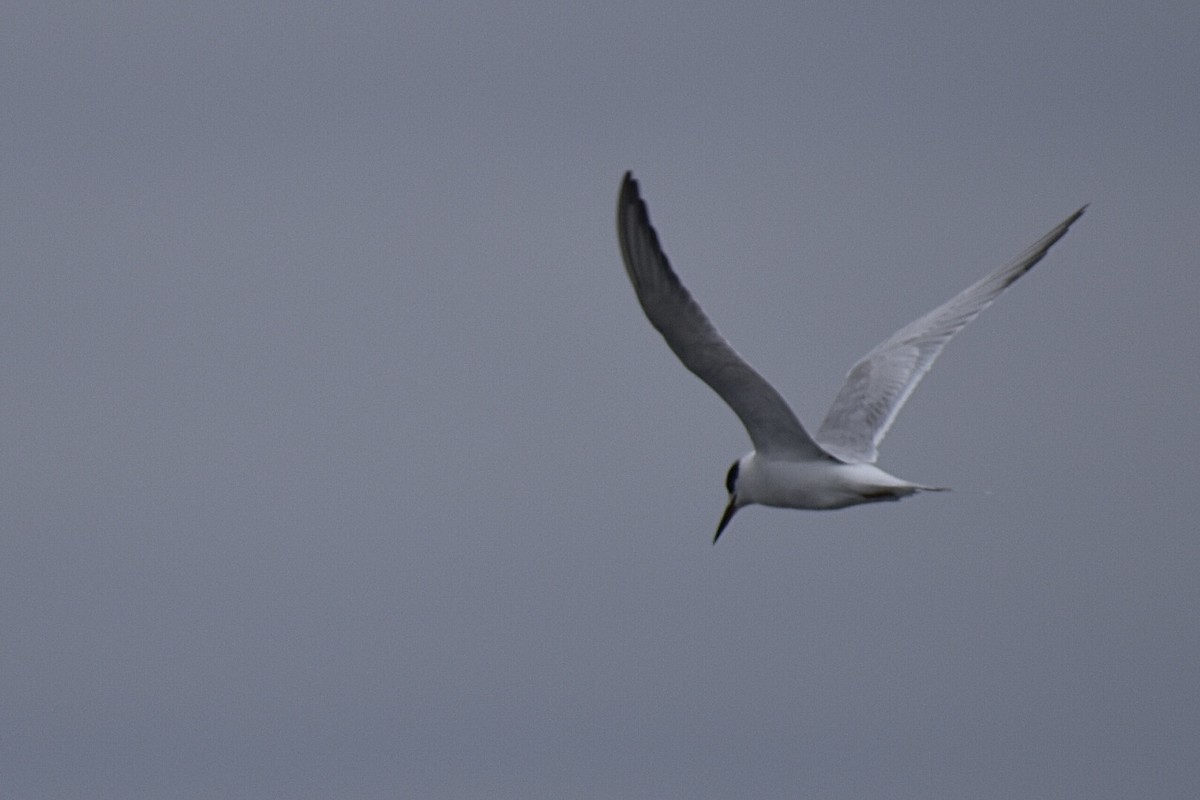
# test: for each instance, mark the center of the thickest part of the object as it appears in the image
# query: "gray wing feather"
(877, 387)
(772, 426)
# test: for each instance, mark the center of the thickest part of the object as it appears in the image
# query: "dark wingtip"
(629, 194)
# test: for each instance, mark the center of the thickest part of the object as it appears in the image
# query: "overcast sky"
(338, 459)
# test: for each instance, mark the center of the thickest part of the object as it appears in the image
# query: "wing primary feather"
(877, 387)
(772, 426)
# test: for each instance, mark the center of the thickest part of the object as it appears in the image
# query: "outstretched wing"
(878, 386)
(772, 426)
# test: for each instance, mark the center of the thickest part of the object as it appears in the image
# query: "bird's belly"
(823, 485)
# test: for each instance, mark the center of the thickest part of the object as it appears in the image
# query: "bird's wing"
(772, 426)
(878, 385)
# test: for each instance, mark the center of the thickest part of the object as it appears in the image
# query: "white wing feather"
(878, 385)
(772, 426)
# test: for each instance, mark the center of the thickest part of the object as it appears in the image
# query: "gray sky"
(339, 461)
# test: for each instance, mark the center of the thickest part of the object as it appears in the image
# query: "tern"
(788, 468)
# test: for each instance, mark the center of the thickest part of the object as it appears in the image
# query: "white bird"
(788, 468)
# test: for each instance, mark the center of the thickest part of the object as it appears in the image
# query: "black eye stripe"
(731, 477)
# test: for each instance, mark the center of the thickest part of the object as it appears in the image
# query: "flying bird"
(789, 468)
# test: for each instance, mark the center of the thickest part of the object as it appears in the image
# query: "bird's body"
(819, 485)
(788, 468)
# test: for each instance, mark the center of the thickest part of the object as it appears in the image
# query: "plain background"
(337, 459)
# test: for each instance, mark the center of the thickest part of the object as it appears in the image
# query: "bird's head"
(731, 486)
